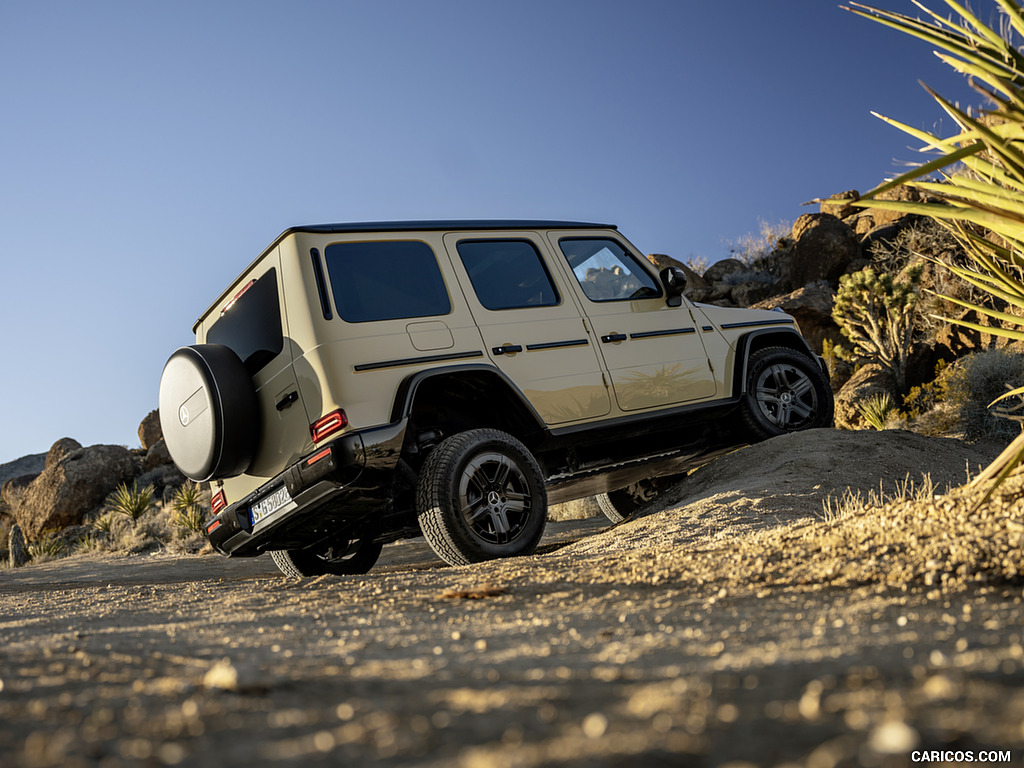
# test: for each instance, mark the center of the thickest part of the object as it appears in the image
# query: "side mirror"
(674, 280)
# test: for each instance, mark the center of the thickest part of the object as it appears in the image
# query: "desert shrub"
(753, 248)
(48, 546)
(132, 502)
(926, 397)
(972, 385)
(698, 264)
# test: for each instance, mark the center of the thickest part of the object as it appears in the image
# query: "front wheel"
(786, 392)
(481, 496)
(339, 558)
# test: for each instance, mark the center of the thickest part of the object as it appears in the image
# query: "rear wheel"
(786, 392)
(481, 496)
(340, 558)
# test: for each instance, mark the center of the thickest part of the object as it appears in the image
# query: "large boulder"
(811, 307)
(870, 381)
(697, 288)
(823, 247)
(73, 484)
(150, 432)
(902, 194)
(840, 204)
(721, 270)
(61, 450)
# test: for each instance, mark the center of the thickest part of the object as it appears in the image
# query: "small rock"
(16, 547)
(893, 738)
(594, 725)
(238, 678)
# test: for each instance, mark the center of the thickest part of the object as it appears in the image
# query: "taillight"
(218, 502)
(325, 426)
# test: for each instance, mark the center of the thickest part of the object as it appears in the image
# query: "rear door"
(251, 323)
(653, 352)
(532, 329)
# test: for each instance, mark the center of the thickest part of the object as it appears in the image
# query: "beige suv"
(363, 383)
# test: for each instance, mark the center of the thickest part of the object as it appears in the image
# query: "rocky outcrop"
(73, 483)
(150, 432)
(823, 247)
(811, 307)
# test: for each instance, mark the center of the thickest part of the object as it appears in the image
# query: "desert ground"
(733, 622)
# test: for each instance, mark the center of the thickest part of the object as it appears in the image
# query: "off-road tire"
(481, 496)
(356, 557)
(786, 391)
(208, 412)
(622, 504)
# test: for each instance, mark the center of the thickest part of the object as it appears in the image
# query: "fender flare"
(789, 337)
(405, 395)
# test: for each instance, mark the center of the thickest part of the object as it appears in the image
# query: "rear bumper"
(335, 487)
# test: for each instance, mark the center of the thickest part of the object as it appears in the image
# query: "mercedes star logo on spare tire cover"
(208, 412)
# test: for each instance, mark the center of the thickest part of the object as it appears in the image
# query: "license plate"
(268, 505)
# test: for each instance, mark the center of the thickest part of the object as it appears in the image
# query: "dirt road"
(585, 654)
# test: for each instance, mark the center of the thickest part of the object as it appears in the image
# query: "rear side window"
(606, 271)
(386, 280)
(507, 274)
(250, 325)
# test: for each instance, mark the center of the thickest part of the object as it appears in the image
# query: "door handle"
(609, 338)
(287, 400)
(507, 349)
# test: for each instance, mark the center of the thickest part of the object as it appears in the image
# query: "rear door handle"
(287, 400)
(507, 349)
(609, 338)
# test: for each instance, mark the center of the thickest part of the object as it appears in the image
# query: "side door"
(532, 330)
(653, 352)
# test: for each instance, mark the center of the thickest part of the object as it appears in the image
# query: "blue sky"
(150, 150)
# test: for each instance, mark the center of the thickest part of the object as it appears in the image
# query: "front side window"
(250, 325)
(606, 271)
(507, 274)
(386, 280)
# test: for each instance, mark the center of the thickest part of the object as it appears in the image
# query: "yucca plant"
(878, 410)
(132, 502)
(981, 197)
(188, 504)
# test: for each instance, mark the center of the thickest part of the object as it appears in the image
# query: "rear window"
(386, 280)
(250, 325)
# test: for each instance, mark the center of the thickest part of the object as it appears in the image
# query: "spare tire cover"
(208, 412)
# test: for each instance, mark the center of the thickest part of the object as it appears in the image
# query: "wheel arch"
(757, 340)
(468, 396)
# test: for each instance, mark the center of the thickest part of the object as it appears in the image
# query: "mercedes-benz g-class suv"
(362, 383)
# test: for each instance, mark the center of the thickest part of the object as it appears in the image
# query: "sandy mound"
(756, 517)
